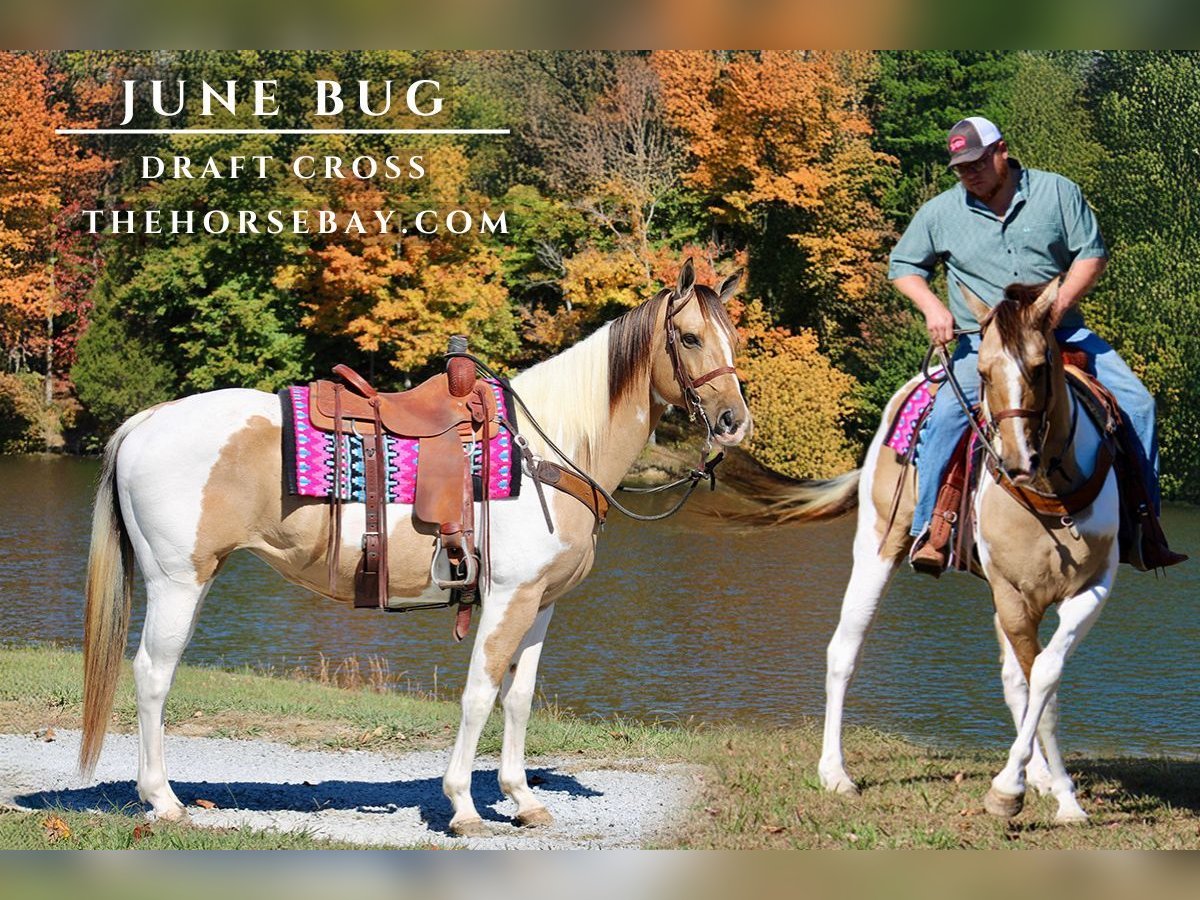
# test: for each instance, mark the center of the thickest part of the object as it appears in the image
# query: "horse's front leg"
(504, 621)
(868, 581)
(1016, 697)
(516, 695)
(1076, 616)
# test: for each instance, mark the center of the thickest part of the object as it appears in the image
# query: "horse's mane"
(1012, 317)
(575, 392)
(629, 347)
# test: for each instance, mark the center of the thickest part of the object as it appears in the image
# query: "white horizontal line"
(282, 131)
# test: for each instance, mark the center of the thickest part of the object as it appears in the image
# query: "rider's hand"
(940, 323)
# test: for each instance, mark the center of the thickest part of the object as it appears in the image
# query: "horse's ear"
(1045, 301)
(686, 280)
(728, 286)
(978, 308)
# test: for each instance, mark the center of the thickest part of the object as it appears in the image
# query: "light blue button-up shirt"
(1048, 225)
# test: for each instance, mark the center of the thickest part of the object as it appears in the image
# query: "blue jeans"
(947, 421)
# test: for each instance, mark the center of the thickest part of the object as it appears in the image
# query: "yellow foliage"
(797, 397)
(597, 278)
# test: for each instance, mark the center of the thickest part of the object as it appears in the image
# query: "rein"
(1038, 502)
(535, 467)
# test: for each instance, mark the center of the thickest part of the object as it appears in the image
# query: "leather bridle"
(1041, 415)
(686, 383)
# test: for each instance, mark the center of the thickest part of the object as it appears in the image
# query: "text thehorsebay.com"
(258, 99)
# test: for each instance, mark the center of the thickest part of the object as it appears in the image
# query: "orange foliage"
(786, 128)
(39, 173)
(404, 296)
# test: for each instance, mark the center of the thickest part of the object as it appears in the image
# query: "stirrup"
(446, 575)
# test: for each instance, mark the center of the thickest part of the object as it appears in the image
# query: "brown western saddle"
(443, 413)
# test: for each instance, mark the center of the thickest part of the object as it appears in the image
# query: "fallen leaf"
(56, 829)
(197, 714)
(711, 811)
(48, 735)
(141, 831)
(773, 829)
(206, 804)
(960, 777)
(852, 837)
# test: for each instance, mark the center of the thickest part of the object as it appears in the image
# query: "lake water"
(680, 620)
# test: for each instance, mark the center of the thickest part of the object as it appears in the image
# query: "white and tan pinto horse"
(187, 483)
(1031, 561)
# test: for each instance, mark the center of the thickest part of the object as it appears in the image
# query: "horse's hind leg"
(171, 611)
(503, 623)
(868, 581)
(1016, 697)
(516, 696)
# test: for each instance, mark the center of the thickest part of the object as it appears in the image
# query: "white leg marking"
(516, 696)
(1077, 614)
(1016, 697)
(868, 582)
(171, 612)
(479, 696)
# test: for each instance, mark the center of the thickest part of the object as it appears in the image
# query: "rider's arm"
(1086, 246)
(911, 266)
(938, 319)
(1080, 279)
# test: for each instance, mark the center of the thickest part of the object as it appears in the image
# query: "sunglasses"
(978, 165)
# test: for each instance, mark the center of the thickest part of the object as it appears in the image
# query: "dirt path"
(359, 796)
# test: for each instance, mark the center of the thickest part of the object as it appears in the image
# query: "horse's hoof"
(1074, 816)
(469, 828)
(1004, 805)
(534, 818)
(841, 785)
(171, 814)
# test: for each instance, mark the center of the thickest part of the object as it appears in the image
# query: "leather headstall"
(686, 383)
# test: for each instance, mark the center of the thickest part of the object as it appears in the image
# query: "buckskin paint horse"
(1031, 561)
(186, 483)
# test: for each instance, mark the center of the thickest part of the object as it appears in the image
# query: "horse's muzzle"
(729, 431)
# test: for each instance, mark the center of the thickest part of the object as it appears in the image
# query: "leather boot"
(932, 555)
(1148, 546)
(1143, 542)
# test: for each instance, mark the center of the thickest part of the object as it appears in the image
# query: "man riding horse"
(1004, 223)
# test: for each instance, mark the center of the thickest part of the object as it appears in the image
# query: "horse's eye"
(690, 340)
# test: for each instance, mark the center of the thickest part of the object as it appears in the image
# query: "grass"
(757, 787)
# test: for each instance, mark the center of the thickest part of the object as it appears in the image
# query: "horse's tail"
(805, 501)
(109, 594)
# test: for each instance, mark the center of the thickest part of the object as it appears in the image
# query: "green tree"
(917, 96)
(1147, 114)
(117, 373)
(1048, 123)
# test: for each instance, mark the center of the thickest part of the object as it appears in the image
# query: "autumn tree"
(44, 269)
(780, 149)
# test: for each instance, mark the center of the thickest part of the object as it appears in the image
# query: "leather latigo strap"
(569, 483)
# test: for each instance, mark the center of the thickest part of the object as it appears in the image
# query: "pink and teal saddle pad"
(906, 426)
(308, 457)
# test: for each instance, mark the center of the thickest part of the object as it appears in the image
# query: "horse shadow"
(1144, 783)
(372, 797)
(1136, 785)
